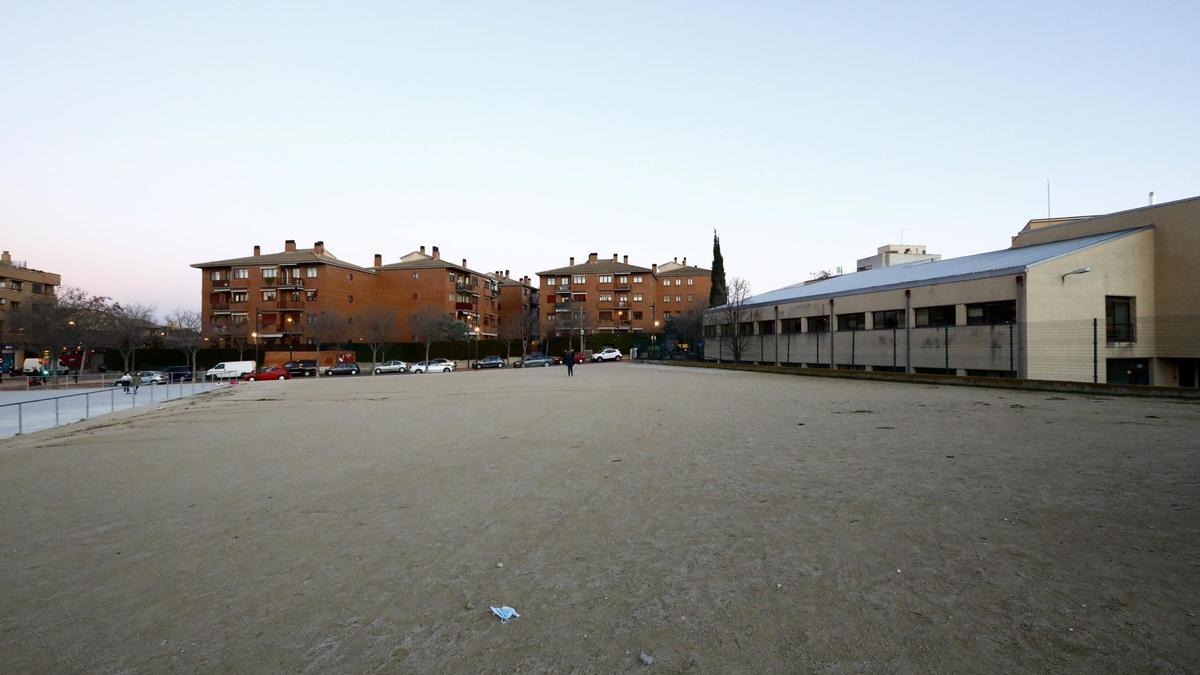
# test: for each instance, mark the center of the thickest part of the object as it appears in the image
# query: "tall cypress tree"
(717, 295)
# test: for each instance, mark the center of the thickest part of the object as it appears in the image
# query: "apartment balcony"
(219, 306)
(621, 287)
(469, 306)
(289, 282)
(220, 286)
(564, 289)
(289, 305)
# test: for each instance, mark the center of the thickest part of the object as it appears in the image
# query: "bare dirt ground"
(718, 521)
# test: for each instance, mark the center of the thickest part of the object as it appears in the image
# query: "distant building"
(519, 300)
(896, 254)
(20, 286)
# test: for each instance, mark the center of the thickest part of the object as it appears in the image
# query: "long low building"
(1109, 298)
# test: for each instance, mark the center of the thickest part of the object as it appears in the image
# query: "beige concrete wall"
(1177, 236)
(1060, 310)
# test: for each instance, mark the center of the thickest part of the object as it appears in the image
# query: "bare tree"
(378, 325)
(240, 340)
(130, 326)
(431, 325)
(520, 326)
(75, 321)
(688, 326)
(184, 334)
(734, 317)
(326, 326)
(575, 320)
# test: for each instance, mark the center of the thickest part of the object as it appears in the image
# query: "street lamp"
(476, 344)
(254, 337)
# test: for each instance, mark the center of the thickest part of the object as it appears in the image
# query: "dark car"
(342, 369)
(303, 368)
(178, 373)
(488, 362)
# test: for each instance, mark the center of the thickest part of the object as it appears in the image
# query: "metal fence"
(35, 414)
(1161, 350)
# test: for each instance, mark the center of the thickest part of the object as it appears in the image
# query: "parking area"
(716, 520)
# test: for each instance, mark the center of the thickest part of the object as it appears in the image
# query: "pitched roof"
(303, 255)
(927, 273)
(597, 267)
(683, 271)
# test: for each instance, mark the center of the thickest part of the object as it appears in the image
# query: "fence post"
(946, 346)
(112, 399)
(818, 363)
(20, 418)
(55, 411)
(87, 405)
(1012, 368)
(893, 349)
(1095, 350)
(852, 341)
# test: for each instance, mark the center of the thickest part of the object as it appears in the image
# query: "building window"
(415, 296)
(3, 283)
(241, 273)
(1119, 319)
(678, 298)
(37, 287)
(268, 296)
(679, 282)
(16, 285)
(606, 316)
(310, 272)
(550, 316)
(637, 315)
(578, 279)
(889, 318)
(622, 280)
(689, 298)
(238, 296)
(766, 327)
(606, 278)
(818, 324)
(666, 282)
(215, 275)
(666, 299)
(710, 330)
(746, 328)
(310, 295)
(637, 278)
(549, 281)
(991, 313)
(934, 317)
(691, 281)
(789, 326)
(852, 321)
(268, 272)
(349, 276)
(312, 318)
(604, 297)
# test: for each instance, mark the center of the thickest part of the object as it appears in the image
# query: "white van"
(230, 369)
(34, 366)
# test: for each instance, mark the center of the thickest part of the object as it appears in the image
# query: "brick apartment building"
(20, 285)
(275, 298)
(519, 299)
(611, 295)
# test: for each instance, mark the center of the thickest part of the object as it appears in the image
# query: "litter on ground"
(505, 613)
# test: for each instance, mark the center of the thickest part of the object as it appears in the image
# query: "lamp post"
(254, 337)
(476, 345)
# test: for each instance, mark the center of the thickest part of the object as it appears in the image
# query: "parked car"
(230, 369)
(579, 358)
(434, 366)
(606, 354)
(391, 367)
(303, 367)
(148, 377)
(536, 361)
(342, 369)
(488, 362)
(268, 373)
(178, 373)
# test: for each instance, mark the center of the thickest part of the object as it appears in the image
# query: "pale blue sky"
(146, 136)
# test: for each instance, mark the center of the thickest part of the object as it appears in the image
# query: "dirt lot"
(718, 521)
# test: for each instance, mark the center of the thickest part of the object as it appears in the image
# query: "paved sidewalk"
(43, 409)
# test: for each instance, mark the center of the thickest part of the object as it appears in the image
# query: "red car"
(269, 373)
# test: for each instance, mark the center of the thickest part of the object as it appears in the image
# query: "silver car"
(434, 366)
(391, 367)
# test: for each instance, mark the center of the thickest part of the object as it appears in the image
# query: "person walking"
(126, 380)
(570, 362)
(137, 382)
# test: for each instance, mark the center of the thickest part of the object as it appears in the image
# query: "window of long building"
(934, 317)
(818, 324)
(1119, 319)
(852, 321)
(991, 313)
(766, 327)
(746, 328)
(790, 325)
(889, 318)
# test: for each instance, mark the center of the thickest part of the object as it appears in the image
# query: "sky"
(137, 138)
